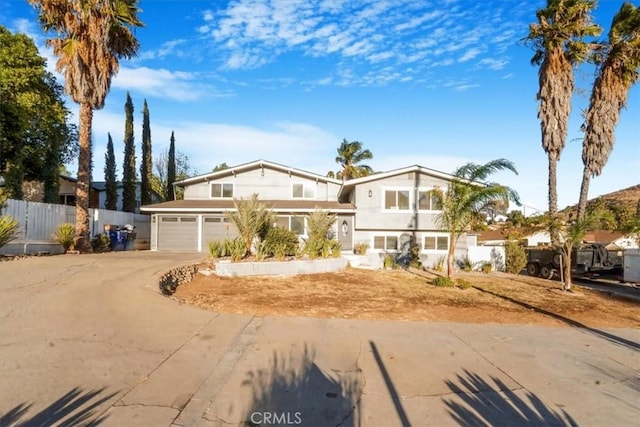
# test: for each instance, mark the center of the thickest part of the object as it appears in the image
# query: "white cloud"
(469, 55)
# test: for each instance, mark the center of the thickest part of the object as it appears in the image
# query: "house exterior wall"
(372, 215)
(102, 198)
(273, 185)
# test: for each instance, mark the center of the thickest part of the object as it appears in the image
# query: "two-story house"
(384, 210)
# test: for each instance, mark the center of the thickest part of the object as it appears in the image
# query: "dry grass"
(402, 295)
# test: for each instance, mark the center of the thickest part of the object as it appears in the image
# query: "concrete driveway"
(88, 339)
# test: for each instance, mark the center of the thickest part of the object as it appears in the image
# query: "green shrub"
(439, 264)
(360, 248)
(280, 242)
(466, 264)
(64, 235)
(216, 249)
(487, 267)
(462, 283)
(443, 282)
(251, 218)
(9, 230)
(390, 261)
(335, 248)
(516, 257)
(101, 243)
(319, 225)
(237, 248)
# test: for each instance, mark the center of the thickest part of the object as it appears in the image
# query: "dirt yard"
(402, 295)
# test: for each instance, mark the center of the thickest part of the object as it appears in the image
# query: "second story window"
(429, 201)
(221, 190)
(396, 200)
(303, 191)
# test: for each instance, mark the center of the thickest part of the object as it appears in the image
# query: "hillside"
(627, 198)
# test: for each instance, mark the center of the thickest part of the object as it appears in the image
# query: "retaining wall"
(284, 268)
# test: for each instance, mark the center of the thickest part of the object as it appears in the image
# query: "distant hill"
(627, 197)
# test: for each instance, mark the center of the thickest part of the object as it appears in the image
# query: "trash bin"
(130, 243)
(113, 239)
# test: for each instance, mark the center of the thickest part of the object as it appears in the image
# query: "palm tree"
(617, 72)
(467, 195)
(92, 35)
(557, 39)
(350, 154)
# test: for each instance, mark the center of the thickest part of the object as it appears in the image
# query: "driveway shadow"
(293, 390)
(72, 409)
(631, 345)
(487, 404)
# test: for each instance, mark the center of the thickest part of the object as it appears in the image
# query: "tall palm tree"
(91, 37)
(350, 154)
(558, 41)
(468, 195)
(617, 72)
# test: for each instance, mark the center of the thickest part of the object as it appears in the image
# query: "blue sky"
(435, 83)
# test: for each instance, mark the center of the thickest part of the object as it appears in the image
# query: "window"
(429, 201)
(396, 200)
(436, 243)
(293, 223)
(303, 191)
(388, 243)
(220, 190)
(216, 219)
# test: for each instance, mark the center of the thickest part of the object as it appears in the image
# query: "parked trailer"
(631, 266)
(585, 259)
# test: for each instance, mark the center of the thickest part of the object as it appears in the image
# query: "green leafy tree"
(129, 167)
(111, 183)
(36, 137)
(220, 167)
(558, 41)
(251, 218)
(467, 195)
(146, 166)
(91, 37)
(159, 182)
(350, 158)
(617, 73)
(171, 168)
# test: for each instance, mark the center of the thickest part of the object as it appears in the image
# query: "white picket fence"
(39, 220)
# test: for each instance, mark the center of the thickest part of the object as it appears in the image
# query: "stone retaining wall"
(170, 280)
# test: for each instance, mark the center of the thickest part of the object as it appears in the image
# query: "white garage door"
(178, 233)
(216, 227)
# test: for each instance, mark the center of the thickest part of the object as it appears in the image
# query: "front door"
(345, 232)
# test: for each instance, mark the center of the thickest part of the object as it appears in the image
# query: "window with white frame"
(221, 190)
(429, 200)
(295, 223)
(386, 243)
(397, 199)
(301, 190)
(436, 243)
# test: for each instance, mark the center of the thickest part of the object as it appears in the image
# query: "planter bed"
(283, 268)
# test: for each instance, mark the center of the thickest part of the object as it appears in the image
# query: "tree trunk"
(452, 247)
(82, 240)
(566, 266)
(553, 201)
(584, 193)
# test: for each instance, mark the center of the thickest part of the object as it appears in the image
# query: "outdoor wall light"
(370, 193)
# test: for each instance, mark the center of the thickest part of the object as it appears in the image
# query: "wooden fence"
(39, 220)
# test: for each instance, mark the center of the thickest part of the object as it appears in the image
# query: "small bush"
(360, 248)
(101, 243)
(237, 248)
(516, 257)
(216, 249)
(64, 235)
(390, 261)
(466, 264)
(439, 264)
(443, 282)
(335, 248)
(463, 283)
(9, 230)
(487, 267)
(280, 242)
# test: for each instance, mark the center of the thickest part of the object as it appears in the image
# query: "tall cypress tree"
(111, 185)
(171, 168)
(129, 166)
(146, 165)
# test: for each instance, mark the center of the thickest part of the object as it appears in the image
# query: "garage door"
(216, 228)
(178, 233)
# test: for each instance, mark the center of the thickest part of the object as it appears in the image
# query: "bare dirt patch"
(402, 295)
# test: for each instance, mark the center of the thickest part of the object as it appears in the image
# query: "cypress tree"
(171, 168)
(146, 165)
(129, 166)
(111, 185)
